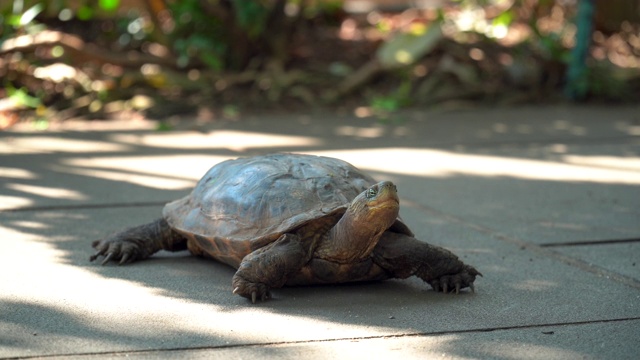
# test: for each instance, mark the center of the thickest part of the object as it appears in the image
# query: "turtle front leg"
(403, 256)
(138, 242)
(269, 267)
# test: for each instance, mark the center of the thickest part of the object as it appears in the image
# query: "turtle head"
(376, 208)
(368, 216)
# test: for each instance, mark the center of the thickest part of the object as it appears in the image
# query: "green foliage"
(210, 36)
(200, 36)
(21, 97)
(85, 13)
(163, 126)
(230, 111)
(18, 20)
(552, 48)
(251, 16)
(504, 19)
(383, 106)
(109, 5)
(603, 81)
(197, 35)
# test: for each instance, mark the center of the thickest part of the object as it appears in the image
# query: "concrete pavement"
(544, 201)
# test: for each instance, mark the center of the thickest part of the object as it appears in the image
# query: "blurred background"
(102, 59)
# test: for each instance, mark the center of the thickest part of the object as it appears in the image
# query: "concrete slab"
(122, 163)
(56, 302)
(456, 128)
(609, 340)
(488, 184)
(527, 192)
(623, 258)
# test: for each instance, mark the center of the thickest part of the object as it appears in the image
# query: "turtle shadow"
(181, 275)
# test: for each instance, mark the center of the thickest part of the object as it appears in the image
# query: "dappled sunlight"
(57, 72)
(81, 190)
(390, 347)
(31, 225)
(441, 163)
(518, 350)
(29, 192)
(360, 132)
(626, 163)
(48, 191)
(13, 202)
(49, 144)
(121, 308)
(221, 139)
(156, 182)
(16, 173)
(160, 172)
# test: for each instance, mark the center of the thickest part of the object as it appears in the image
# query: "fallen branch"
(79, 50)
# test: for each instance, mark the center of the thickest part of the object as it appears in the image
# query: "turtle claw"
(98, 253)
(456, 282)
(263, 296)
(125, 259)
(107, 258)
(249, 290)
(116, 249)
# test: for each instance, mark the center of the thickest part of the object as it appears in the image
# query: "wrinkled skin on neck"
(356, 234)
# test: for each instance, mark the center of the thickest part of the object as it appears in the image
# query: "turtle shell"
(243, 204)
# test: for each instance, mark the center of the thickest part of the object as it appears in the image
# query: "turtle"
(292, 219)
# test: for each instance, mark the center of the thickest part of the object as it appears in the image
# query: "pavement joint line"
(86, 206)
(590, 242)
(545, 251)
(373, 337)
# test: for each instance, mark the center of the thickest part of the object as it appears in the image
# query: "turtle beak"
(383, 194)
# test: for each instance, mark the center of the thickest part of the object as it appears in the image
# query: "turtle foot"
(249, 290)
(456, 282)
(137, 243)
(122, 251)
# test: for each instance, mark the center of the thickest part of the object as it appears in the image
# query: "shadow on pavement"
(63, 190)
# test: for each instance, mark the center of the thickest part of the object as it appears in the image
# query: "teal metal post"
(577, 84)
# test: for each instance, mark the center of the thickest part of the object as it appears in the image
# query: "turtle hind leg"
(402, 256)
(270, 267)
(138, 242)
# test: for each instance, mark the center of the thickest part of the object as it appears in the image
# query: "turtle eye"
(371, 193)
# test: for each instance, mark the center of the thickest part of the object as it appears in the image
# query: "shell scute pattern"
(255, 199)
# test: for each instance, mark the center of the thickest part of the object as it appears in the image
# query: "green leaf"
(163, 126)
(31, 14)
(21, 97)
(251, 16)
(109, 5)
(85, 13)
(213, 61)
(385, 104)
(14, 20)
(504, 19)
